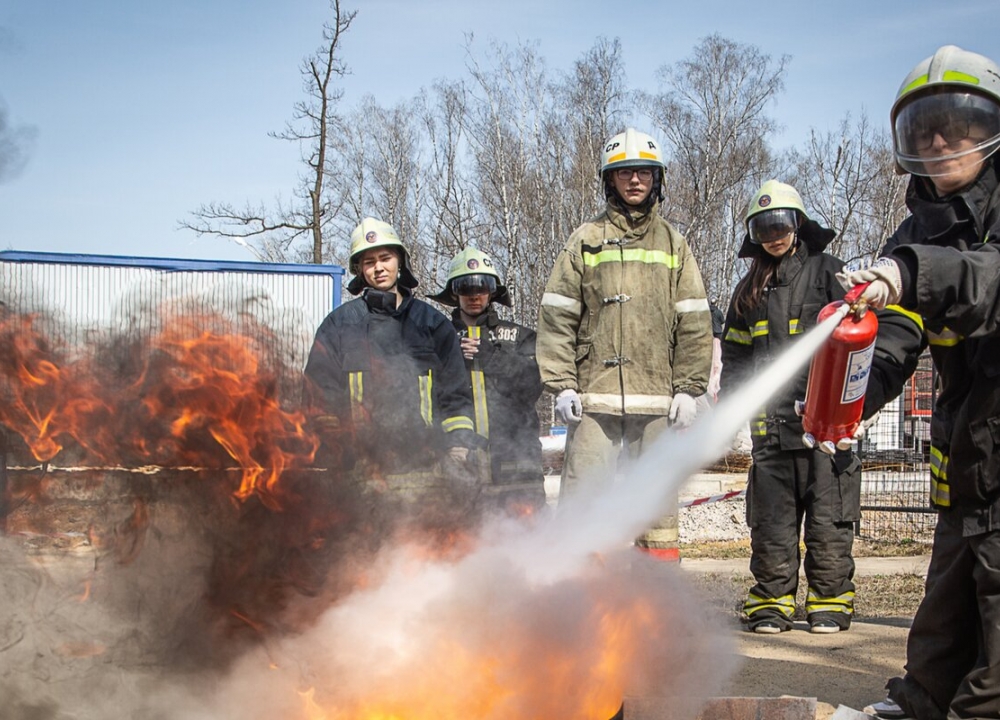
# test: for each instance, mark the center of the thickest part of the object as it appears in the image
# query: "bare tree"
(509, 110)
(271, 234)
(848, 179)
(712, 116)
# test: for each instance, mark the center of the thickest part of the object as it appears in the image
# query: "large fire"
(364, 608)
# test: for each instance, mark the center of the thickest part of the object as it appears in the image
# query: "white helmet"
(955, 94)
(631, 149)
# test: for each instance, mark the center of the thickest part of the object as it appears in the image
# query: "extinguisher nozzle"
(808, 440)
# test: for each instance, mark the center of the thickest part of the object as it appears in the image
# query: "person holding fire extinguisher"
(503, 373)
(791, 489)
(937, 283)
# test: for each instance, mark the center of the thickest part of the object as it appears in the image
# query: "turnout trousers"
(953, 649)
(807, 491)
(593, 448)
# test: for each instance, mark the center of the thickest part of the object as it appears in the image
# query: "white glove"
(886, 283)
(865, 424)
(682, 411)
(569, 407)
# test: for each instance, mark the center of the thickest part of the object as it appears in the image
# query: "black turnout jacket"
(805, 281)
(506, 385)
(951, 301)
(394, 375)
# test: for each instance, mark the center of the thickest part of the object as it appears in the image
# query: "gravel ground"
(722, 520)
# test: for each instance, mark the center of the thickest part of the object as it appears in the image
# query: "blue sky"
(143, 111)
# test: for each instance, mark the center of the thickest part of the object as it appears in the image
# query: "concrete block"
(734, 708)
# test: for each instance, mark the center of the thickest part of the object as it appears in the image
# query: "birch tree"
(712, 116)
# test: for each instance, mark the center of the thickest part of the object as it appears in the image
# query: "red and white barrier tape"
(712, 498)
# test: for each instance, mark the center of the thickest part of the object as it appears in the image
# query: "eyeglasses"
(950, 129)
(644, 174)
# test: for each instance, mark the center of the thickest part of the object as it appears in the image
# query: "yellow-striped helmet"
(953, 93)
(631, 149)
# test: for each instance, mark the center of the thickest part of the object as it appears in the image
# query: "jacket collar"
(632, 222)
(489, 318)
(941, 216)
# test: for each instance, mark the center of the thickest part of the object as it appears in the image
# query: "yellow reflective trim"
(784, 605)
(939, 463)
(459, 422)
(917, 82)
(426, 404)
(793, 327)
(940, 493)
(357, 387)
(844, 599)
(945, 338)
(615, 158)
(479, 403)
(647, 156)
(758, 427)
(649, 257)
(759, 328)
(906, 313)
(742, 337)
(958, 76)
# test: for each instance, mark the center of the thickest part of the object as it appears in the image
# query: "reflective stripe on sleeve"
(561, 301)
(693, 305)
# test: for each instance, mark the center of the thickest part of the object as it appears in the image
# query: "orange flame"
(199, 392)
(43, 402)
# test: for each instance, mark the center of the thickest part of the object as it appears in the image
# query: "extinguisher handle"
(855, 292)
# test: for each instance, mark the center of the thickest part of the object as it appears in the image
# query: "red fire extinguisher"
(838, 377)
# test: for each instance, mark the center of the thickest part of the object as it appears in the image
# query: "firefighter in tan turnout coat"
(624, 329)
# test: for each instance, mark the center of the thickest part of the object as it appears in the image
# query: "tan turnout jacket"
(624, 319)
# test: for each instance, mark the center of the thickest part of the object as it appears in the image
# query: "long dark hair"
(750, 289)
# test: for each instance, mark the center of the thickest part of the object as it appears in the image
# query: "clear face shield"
(467, 285)
(771, 225)
(933, 129)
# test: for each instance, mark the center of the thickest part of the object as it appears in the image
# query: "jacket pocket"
(984, 452)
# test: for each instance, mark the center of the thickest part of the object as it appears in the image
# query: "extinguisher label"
(859, 367)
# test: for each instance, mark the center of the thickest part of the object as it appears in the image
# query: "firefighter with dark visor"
(791, 490)
(503, 377)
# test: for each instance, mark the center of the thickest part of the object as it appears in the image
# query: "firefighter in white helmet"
(937, 284)
(386, 372)
(624, 329)
(791, 489)
(503, 373)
